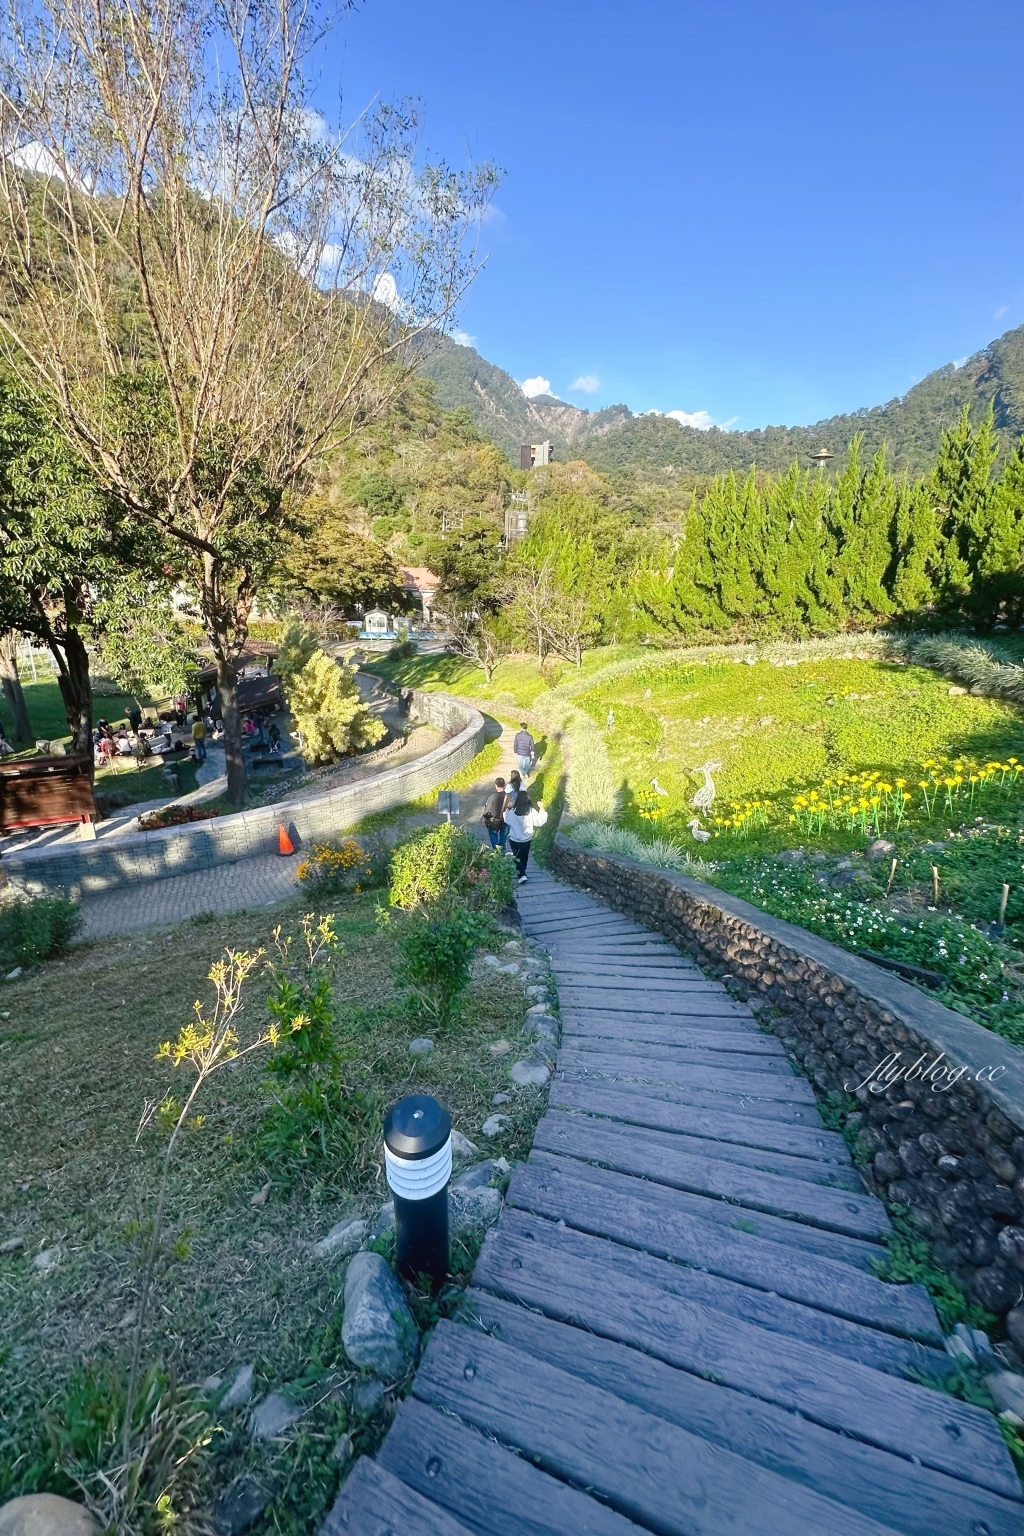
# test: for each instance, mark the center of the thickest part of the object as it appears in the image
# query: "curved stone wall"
(83, 869)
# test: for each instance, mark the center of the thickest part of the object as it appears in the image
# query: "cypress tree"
(997, 585)
(915, 548)
(961, 486)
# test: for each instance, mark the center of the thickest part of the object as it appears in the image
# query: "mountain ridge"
(616, 440)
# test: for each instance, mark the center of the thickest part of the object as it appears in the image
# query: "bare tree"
(477, 637)
(205, 284)
(527, 591)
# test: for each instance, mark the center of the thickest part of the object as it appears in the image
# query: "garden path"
(675, 1325)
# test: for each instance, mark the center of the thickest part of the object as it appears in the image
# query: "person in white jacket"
(522, 821)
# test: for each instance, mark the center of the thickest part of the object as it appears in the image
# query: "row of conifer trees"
(804, 552)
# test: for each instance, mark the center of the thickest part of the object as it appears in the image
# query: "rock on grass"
(379, 1332)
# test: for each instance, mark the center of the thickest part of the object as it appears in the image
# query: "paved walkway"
(675, 1325)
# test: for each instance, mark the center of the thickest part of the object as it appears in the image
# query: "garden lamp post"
(418, 1160)
(821, 458)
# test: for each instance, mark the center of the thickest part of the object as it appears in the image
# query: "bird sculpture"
(657, 788)
(647, 694)
(700, 834)
(704, 799)
(611, 719)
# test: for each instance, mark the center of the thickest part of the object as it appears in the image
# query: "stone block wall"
(950, 1149)
(83, 869)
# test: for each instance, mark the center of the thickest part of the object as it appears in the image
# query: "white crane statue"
(700, 834)
(704, 799)
(657, 787)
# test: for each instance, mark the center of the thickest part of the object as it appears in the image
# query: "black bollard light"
(418, 1159)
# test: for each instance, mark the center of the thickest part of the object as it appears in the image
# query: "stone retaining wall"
(951, 1149)
(83, 869)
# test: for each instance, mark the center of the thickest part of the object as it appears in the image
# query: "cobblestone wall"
(948, 1147)
(82, 869)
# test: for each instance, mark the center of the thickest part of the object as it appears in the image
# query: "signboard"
(448, 802)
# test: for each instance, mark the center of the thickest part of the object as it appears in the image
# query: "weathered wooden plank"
(712, 1099)
(657, 1144)
(667, 967)
(642, 1275)
(699, 1034)
(915, 1499)
(791, 1234)
(718, 1008)
(681, 1051)
(745, 1130)
(842, 1394)
(629, 1150)
(729, 1080)
(373, 1502)
(648, 1469)
(582, 975)
(658, 1140)
(610, 922)
(636, 999)
(491, 1489)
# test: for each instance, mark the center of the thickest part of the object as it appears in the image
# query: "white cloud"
(586, 382)
(1004, 309)
(463, 338)
(699, 419)
(531, 388)
(385, 291)
(958, 362)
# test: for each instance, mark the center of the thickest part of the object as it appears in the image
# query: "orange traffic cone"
(284, 842)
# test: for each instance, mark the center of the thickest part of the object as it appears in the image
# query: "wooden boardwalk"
(675, 1326)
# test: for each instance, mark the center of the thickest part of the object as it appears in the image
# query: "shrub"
(435, 960)
(445, 867)
(316, 1120)
(404, 650)
(326, 707)
(603, 837)
(336, 868)
(175, 816)
(31, 931)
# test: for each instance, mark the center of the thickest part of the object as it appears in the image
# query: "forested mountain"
(657, 447)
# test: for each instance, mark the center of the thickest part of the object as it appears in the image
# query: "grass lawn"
(238, 1281)
(516, 681)
(793, 745)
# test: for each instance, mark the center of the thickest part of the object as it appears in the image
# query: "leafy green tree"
(64, 551)
(961, 487)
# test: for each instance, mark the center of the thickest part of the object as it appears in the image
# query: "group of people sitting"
(510, 816)
(140, 737)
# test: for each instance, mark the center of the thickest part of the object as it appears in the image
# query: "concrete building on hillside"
(531, 455)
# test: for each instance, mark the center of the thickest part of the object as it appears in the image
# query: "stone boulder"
(239, 1506)
(379, 1332)
(343, 1238)
(472, 1211)
(45, 1514)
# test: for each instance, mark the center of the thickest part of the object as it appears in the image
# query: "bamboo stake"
(1002, 905)
(935, 883)
(892, 875)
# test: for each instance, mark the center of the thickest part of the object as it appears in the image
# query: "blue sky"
(767, 212)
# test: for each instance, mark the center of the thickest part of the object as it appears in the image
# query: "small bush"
(445, 867)
(435, 960)
(336, 868)
(31, 931)
(175, 816)
(405, 650)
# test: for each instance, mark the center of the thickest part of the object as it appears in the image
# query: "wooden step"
(607, 1262)
(914, 1499)
(839, 1393)
(663, 1477)
(495, 1492)
(647, 1155)
(374, 1502)
(715, 1125)
(739, 1080)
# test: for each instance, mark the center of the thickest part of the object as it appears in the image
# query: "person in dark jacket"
(523, 748)
(494, 815)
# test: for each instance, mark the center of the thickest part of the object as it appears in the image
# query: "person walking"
(522, 822)
(523, 747)
(199, 739)
(494, 815)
